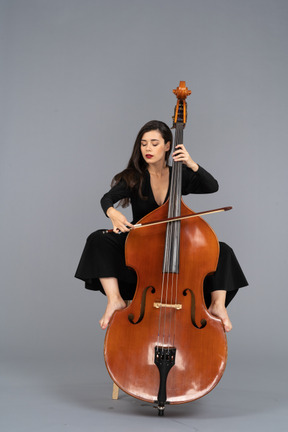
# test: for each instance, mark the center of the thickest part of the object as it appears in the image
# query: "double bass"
(165, 347)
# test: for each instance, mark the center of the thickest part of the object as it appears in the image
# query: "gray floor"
(59, 396)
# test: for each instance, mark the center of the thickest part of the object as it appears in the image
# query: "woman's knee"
(95, 236)
(225, 250)
(224, 247)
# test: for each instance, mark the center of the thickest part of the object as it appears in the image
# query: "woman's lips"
(149, 156)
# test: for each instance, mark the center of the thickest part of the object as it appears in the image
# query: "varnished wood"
(115, 389)
(182, 91)
(124, 339)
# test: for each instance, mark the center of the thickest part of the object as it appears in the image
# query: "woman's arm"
(198, 182)
(195, 179)
(116, 193)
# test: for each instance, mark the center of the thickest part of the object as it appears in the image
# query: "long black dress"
(103, 255)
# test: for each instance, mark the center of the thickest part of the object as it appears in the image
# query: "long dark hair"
(133, 175)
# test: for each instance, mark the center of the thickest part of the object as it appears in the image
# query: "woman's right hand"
(119, 221)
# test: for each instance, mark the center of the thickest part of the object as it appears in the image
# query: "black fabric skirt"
(103, 256)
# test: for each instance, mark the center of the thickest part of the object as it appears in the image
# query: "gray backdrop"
(78, 80)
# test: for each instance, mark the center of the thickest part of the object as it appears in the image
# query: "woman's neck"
(157, 170)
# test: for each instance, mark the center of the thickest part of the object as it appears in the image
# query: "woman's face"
(153, 147)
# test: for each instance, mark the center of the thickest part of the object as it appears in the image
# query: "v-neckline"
(152, 193)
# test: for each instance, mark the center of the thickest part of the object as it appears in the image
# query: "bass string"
(164, 289)
(176, 231)
(165, 273)
(171, 287)
(170, 283)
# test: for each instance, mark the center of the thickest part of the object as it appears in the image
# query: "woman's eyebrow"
(152, 140)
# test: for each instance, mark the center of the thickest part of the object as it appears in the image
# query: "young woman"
(145, 185)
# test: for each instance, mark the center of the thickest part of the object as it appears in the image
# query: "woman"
(145, 184)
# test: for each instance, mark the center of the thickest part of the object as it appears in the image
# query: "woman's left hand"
(182, 155)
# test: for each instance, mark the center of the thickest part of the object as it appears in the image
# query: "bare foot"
(112, 306)
(220, 312)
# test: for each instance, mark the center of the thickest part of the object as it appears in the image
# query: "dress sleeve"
(198, 182)
(116, 193)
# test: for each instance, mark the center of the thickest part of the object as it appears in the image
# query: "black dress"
(103, 255)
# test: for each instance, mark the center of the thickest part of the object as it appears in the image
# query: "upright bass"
(165, 347)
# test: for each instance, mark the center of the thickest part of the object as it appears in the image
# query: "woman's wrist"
(193, 165)
(109, 211)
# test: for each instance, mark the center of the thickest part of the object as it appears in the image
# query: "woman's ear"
(167, 146)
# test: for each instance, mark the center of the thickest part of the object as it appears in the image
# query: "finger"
(128, 224)
(178, 154)
(179, 158)
(126, 227)
(129, 227)
(180, 151)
